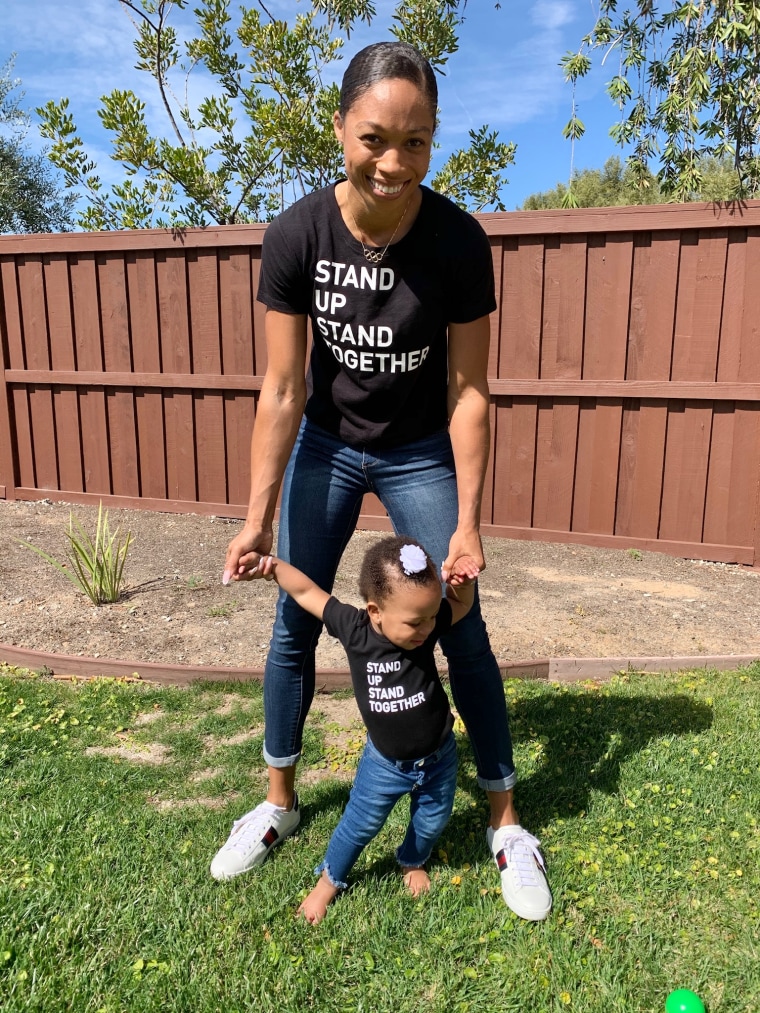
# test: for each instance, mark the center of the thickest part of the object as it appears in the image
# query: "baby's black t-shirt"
(399, 693)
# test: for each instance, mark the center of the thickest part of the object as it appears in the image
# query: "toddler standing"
(410, 747)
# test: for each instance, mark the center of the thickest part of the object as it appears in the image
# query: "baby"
(410, 746)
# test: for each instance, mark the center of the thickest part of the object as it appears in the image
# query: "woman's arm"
(469, 427)
(278, 416)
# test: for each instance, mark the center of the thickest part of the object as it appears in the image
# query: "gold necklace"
(373, 256)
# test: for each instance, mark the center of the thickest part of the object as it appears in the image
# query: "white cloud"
(512, 76)
(553, 14)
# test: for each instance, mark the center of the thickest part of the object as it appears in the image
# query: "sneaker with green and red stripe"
(252, 838)
(522, 870)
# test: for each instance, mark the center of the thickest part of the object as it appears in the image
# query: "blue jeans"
(379, 784)
(324, 484)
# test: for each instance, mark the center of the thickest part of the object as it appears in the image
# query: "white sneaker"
(252, 838)
(521, 864)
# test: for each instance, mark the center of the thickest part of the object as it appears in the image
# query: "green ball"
(683, 1000)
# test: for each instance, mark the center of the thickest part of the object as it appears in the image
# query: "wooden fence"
(624, 374)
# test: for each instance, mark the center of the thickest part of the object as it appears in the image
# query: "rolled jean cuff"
(280, 761)
(418, 864)
(498, 784)
(324, 867)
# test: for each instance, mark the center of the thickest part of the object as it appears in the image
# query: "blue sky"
(506, 74)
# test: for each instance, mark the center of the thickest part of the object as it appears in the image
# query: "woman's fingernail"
(226, 577)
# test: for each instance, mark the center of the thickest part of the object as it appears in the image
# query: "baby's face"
(407, 617)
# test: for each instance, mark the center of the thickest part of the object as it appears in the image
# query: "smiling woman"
(397, 404)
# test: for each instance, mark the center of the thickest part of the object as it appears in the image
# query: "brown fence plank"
(146, 357)
(740, 334)
(7, 467)
(609, 266)
(555, 463)
(595, 494)
(653, 306)
(608, 283)
(642, 455)
(18, 402)
(732, 319)
(719, 493)
(14, 331)
(175, 357)
(700, 302)
(494, 348)
(486, 505)
(37, 354)
(564, 308)
(685, 480)
(89, 355)
(259, 314)
(22, 427)
(238, 351)
(522, 296)
(239, 413)
(117, 355)
(731, 499)
(68, 427)
(501, 441)
(236, 312)
(519, 440)
(205, 301)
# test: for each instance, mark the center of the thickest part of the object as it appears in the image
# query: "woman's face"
(387, 138)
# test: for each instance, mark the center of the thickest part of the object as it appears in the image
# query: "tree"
(263, 134)
(613, 185)
(617, 185)
(687, 84)
(30, 196)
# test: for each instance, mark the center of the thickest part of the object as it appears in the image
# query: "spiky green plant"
(95, 567)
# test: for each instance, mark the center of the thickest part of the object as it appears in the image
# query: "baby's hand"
(464, 571)
(260, 566)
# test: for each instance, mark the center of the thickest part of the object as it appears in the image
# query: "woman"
(398, 283)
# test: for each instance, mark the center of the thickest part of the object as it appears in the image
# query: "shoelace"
(249, 829)
(523, 856)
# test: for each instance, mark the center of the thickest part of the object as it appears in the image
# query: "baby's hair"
(382, 569)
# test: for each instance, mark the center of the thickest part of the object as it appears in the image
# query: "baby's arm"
(460, 586)
(301, 588)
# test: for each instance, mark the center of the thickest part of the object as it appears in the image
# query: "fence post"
(7, 455)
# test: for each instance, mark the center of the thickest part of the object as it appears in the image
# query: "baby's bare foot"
(314, 907)
(416, 881)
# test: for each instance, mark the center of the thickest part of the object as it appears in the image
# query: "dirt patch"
(213, 742)
(153, 753)
(539, 599)
(147, 718)
(205, 802)
(340, 711)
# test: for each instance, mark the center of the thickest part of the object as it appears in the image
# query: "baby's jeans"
(380, 782)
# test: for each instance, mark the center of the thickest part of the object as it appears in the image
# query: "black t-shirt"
(379, 362)
(399, 693)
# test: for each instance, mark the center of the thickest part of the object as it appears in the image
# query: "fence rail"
(624, 374)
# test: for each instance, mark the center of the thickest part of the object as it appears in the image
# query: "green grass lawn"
(645, 793)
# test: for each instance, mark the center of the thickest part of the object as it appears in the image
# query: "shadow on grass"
(583, 749)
